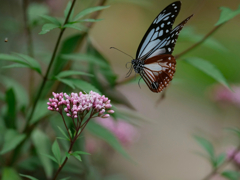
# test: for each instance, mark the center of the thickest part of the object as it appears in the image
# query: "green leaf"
(64, 134)
(9, 173)
(219, 160)
(85, 58)
(67, 10)
(84, 86)
(207, 146)
(29, 177)
(78, 157)
(89, 20)
(50, 157)
(81, 152)
(107, 136)
(42, 144)
(32, 62)
(51, 19)
(34, 11)
(71, 72)
(227, 14)
(10, 116)
(19, 91)
(13, 58)
(40, 112)
(88, 11)
(65, 178)
(231, 175)
(56, 151)
(48, 27)
(209, 69)
(15, 66)
(72, 26)
(234, 130)
(11, 139)
(67, 82)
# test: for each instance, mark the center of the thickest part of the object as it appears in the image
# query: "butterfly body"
(154, 61)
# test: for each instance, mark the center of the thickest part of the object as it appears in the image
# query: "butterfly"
(154, 61)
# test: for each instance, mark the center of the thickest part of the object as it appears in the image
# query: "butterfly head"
(137, 65)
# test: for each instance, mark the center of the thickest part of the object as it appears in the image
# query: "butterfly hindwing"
(158, 71)
(159, 30)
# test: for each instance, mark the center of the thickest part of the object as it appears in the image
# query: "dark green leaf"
(64, 134)
(209, 69)
(231, 175)
(29, 177)
(9, 173)
(15, 66)
(85, 86)
(51, 19)
(72, 26)
(71, 72)
(88, 11)
(107, 136)
(86, 58)
(32, 62)
(56, 151)
(219, 160)
(67, 82)
(48, 27)
(10, 116)
(207, 146)
(11, 139)
(227, 14)
(40, 112)
(65, 178)
(42, 144)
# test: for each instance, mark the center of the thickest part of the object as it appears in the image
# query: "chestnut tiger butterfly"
(154, 61)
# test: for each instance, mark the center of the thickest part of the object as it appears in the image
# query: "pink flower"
(76, 104)
(222, 94)
(230, 154)
(125, 132)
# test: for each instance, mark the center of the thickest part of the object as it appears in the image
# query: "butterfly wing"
(158, 71)
(156, 34)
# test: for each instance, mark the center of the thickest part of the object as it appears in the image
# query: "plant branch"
(66, 127)
(28, 129)
(216, 170)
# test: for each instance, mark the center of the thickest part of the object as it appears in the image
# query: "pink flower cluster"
(222, 94)
(79, 103)
(230, 154)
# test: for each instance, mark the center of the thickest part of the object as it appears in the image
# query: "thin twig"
(66, 127)
(28, 129)
(216, 170)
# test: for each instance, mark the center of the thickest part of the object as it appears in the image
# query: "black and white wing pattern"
(155, 37)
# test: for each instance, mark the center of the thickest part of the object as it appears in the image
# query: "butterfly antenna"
(121, 51)
(139, 82)
(129, 72)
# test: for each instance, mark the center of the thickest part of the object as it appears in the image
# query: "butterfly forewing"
(156, 34)
(158, 71)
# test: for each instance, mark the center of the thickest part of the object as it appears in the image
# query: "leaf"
(209, 69)
(67, 82)
(11, 139)
(227, 14)
(29, 177)
(19, 91)
(207, 146)
(219, 160)
(67, 10)
(88, 11)
(34, 11)
(72, 26)
(86, 58)
(56, 151)
(51, 19)
(48, 27)
(40, 112)
(81, 152)
(85, 86)
(90, 20)
(234, 130)
(50, 157)
(15, 66)
(11, 113)
(77, 156)
(9, 173)
(13, 58)
(231, 175)
(71, 72)
(65, 178)
(32, 62)
(42, 144)
(64, 134)
(107, 136)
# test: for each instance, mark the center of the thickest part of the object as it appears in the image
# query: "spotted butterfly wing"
(157, 46)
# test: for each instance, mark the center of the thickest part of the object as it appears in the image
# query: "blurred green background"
(165, 149)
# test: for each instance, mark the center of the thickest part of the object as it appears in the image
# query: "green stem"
(28, 129)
